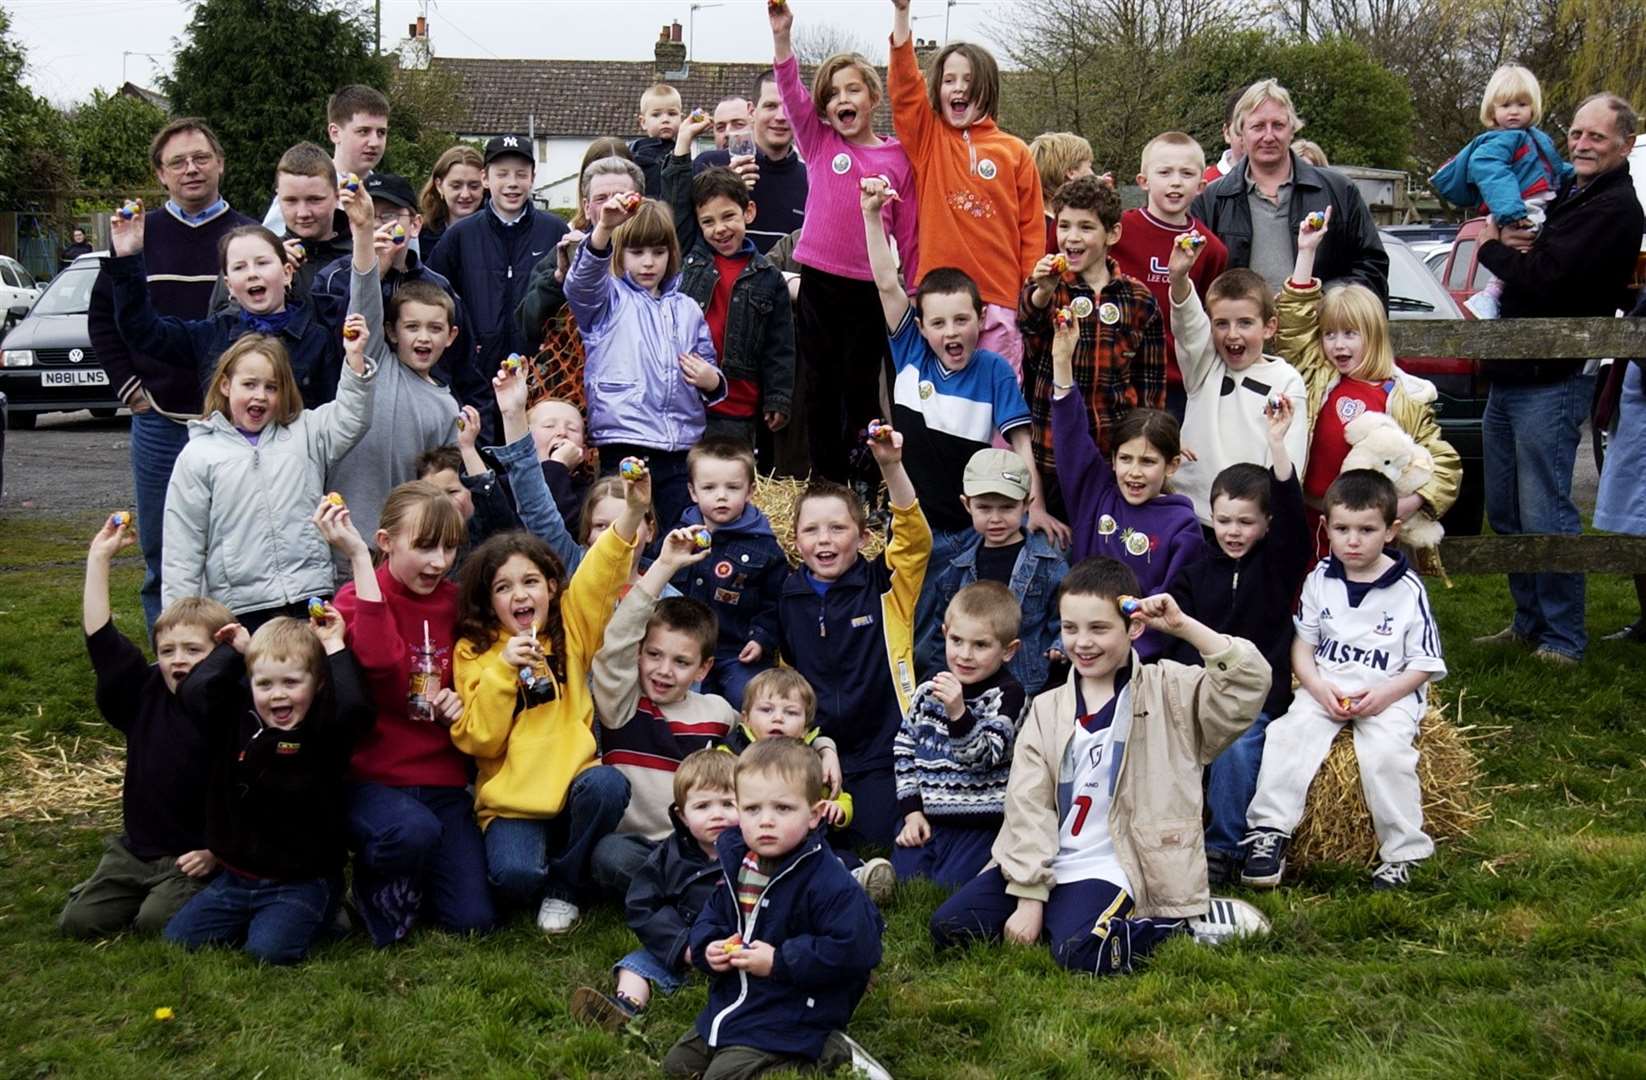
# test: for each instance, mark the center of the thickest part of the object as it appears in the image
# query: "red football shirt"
(1144, 248)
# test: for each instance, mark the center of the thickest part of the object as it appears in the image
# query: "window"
(9, 276)
(1462, 255)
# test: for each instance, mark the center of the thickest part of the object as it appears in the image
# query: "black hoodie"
(668, 891)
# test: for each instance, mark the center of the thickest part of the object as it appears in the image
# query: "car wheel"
(23, 421)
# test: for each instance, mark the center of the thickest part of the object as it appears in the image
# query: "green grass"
(1518, 952)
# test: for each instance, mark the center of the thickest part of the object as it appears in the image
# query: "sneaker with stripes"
(1227, 919)
(1392, 875)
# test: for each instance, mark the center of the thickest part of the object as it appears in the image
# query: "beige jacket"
(1182, 717)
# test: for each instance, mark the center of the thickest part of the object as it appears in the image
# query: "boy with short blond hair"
(1120, 357)
(1101, 846)
(659, 119)
(160, 861)
(1170, 176)
(668, 892)
(954, 751)
(654, 651)
(788, 942)
(1059, 156)
(742, 578)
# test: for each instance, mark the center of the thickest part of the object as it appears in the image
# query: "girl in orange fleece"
(979, 193)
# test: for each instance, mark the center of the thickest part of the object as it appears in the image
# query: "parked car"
(18, 289)
(47, 363)
(1420, 232)
(1414, 293)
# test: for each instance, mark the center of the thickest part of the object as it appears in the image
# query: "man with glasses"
(180, 253)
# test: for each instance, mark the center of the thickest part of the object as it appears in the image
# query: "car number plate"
(74, 378)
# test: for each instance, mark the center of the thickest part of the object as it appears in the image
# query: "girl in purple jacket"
(1121, 509)
(651, 368)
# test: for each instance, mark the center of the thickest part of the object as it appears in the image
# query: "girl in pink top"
(840, 337)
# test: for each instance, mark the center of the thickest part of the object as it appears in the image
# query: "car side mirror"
(18, 312)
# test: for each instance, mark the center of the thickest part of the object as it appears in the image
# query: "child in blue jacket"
(1512, 168)
(788, 939)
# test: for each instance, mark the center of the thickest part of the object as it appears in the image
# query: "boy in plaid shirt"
(1120, 360)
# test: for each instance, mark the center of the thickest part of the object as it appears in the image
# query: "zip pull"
(1234, 586)
(510, 272)
(822, 627)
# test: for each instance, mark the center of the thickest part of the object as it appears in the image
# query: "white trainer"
(878, 879)
(1226, 920)
(556, 916)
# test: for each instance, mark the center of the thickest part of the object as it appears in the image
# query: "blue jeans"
(155, 444)
(1531, 436)
(616, 858)
(953, 856)
(653, 970)
(531, 858)
(276, 921)
(418, 850)
(1231, 780)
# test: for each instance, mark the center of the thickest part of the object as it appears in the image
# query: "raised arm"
(894, 302)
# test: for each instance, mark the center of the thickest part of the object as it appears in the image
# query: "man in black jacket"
(1256, 209)
(1578, 263)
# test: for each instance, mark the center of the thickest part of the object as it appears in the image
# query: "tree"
(260, 71)
(423, 122)
(815, 42)
(111, 135)
(36, 159)
(1610, 51)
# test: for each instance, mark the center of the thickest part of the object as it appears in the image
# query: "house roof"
(584, 98)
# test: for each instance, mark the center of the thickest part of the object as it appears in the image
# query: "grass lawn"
(1518, 952)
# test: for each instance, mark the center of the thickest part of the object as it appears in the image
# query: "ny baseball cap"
(996, 472)
(387, 187)
(518, 145)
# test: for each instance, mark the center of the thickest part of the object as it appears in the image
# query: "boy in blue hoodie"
(789, 942)
(742, 578)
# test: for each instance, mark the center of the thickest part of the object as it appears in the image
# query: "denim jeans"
(616, 858)
(1231, 780)
(276, 921)
(155, 444)
(1531, 436)
(418, 851)
(653, 970)
(530, 858)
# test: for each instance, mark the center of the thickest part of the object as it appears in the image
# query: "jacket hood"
(751, 522)
(1417, 388)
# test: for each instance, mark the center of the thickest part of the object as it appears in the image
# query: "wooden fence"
(1532, 339)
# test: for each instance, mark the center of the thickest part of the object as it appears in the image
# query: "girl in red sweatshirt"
(411, 822)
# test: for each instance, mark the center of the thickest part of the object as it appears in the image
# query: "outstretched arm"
(894, 302)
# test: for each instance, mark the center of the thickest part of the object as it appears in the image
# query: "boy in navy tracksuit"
(788, 939)
(742, 578)
(1245, 587)
(847, 625)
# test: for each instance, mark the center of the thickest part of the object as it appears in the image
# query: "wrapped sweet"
(631, 468)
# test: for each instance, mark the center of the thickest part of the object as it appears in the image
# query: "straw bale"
(53, 778)
(776, 495)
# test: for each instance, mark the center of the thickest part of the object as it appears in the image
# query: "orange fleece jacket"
(979, 193)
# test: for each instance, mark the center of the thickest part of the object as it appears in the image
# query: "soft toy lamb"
(1378, 443)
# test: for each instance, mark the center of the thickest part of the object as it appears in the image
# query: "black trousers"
(842, 363)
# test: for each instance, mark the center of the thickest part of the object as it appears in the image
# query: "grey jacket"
(237, 515)
(410, 414)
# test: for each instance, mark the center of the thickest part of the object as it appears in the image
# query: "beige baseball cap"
(996, 472)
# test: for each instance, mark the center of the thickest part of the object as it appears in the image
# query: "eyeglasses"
(182, 162)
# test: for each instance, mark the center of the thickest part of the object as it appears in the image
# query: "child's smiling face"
(252, 391)
(828, 536)
(724, 224)
(422, 333)
(670, 662)
(282, 689)
(959, 111)
(1141, 470)
(951, 326)
(521, 594)
(1239, 331)
(256, 275)
(1083, 239)
(851, 103)
(178, 650)
(1096, 637)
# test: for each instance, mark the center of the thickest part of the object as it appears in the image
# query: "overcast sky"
(76, 46)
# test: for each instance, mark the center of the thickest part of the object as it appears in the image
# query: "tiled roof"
(585, 98)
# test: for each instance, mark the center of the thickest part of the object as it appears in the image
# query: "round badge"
(926, 389)
(841, 164)
(722, 569)
(986, 169)
(1105, 526)
(1138, 543)
(1081, 307)
(1109, 313)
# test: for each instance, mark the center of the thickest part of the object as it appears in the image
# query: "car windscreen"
(1414, 289)
(69, 292)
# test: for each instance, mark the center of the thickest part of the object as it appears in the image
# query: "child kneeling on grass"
(1108, 860)
(160, 861)
(279, 752)
(667, 892)
(789, 941)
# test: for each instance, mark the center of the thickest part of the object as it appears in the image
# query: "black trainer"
(1221, 867)
(1265, 858)
(1392, 875)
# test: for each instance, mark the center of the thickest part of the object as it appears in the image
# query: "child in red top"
(410, 819)
(979, 191)
(1172, 164)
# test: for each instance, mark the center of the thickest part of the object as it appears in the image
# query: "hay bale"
(776, 495)
(1336, 825)
(53, 778)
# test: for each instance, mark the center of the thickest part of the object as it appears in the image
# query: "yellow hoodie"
(528, 759)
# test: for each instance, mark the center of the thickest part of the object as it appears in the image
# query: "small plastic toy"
(1130, 605)
(398, 233)
(702, 538)
(1060, 264)
(1063, 316)
(317, 609)
(734, 943)
(631, 468)
(351, 182)
(334, 498)
(1315, 221)
(1190, 241)
(513, 362)
(129, 209)
(1081, 307)
(350, 333)
(1346, 702)
(630, 200)
(879, 430)
(1272, 405)
(298, 249)
(698, 116)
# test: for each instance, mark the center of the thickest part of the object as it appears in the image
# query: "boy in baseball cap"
(995, 492)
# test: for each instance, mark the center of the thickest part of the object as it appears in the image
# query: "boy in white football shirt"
(1367, 648)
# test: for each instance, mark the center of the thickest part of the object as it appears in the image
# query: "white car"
(17, 289)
